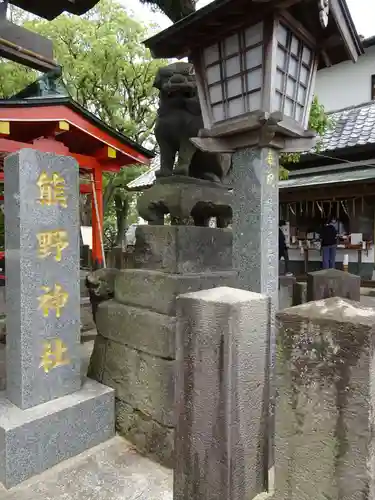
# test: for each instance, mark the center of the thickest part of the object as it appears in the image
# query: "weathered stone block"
(140, 329)
(333, 283)
(149, 436)
(299, 293)
(158, 291)
(324, 414)
(183, 249)
(145, 382)
(35, 440)
(221, 394)
(286, 286)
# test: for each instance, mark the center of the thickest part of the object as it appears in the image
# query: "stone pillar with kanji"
(49, 412)
(43, 295)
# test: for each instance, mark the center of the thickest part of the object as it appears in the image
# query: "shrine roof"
(47, 100)
(50, 9)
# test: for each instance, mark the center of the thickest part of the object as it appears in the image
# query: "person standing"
(283, 249)
(328, 237)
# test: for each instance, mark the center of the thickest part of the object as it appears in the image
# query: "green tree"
(107, 70)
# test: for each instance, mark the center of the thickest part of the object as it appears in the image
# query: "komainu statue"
(179, 119)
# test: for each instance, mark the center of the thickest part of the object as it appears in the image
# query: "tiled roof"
(359, 174)
(353, 126)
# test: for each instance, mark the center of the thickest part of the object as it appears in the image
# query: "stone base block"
(183, 249)
(34, 440)
(146, 382)
(333, 283)
(148, 436)
(138, 328)
(158, 291)
(299, 293)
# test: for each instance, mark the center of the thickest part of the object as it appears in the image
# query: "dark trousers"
(285, 255)
(329, 256)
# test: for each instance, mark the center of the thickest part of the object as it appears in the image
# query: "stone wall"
(134, 350)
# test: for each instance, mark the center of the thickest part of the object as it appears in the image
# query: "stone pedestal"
(333, 283)
(221, 395)
(45, 415)
(135, 348)
(324, 414)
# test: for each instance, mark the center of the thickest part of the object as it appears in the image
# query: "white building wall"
(346, 84)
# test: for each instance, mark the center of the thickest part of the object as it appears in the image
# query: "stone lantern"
(255, 64)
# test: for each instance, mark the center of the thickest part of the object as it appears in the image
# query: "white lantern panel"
(254, 57)
(306, 56)
(294, 46)
(254, 79)
(218, 112)
(282, 35)
(288, 107)
(301, 98)
(211, 54)
(216, 93)
(254, 35)
(293, 67)
(280, 80)
(213, 74)
(304, 75)
(238, 64)
(234, 86)
(290, 88)
(254, 100)
(281, 58)
(232, 45)
(235, 107)
(232, 66)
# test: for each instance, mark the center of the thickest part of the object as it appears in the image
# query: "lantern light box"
(256, 59)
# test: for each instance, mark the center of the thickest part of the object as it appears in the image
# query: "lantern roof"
(51, 9)
(339, 41)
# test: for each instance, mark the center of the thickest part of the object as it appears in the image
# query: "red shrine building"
(44, 117)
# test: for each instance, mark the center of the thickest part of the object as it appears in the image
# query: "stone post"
(221, 395)
(333, 283)
(45, 415)
(43, 281)
(324, 413)
(255, 177)
(255, 225)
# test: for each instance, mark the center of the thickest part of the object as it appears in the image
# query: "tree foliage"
(106, 69)
(174, 9)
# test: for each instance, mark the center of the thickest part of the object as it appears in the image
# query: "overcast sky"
(363, 12)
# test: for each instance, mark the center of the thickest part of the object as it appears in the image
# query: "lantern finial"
(323, 12)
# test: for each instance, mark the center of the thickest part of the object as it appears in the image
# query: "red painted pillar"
(97, 225)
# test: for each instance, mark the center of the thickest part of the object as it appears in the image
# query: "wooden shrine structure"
(44, 117)
(25, 47)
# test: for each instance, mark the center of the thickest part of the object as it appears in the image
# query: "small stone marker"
(333, 283)
(43, 295)
(324, 410)
(221, 394)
